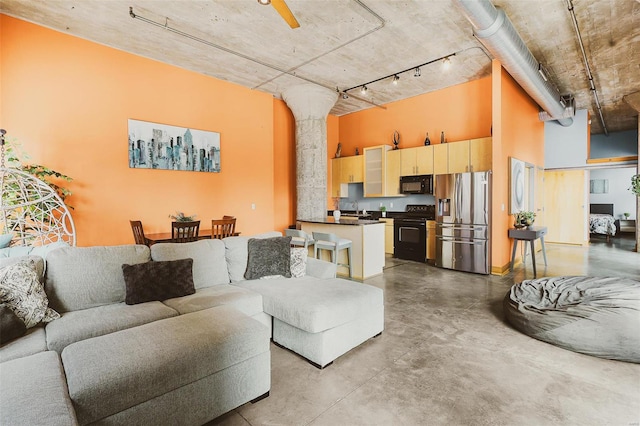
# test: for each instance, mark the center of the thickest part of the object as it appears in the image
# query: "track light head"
(264, 2)
(345, 95)
(395, 79)
(363, 90)
(417, 72)
(446, 63)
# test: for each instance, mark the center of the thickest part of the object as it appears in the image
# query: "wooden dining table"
(165, 237)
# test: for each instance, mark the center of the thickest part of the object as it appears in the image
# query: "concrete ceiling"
(347, 43)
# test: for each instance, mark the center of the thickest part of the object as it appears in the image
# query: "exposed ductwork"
(495, 31)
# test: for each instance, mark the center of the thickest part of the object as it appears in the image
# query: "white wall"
(619, 195)
(566, 147)
(616, 144)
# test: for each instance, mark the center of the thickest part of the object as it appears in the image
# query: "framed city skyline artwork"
(166, 147)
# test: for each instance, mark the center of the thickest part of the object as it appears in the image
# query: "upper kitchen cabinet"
(417, 161)
(345, 170)
(480, 154)
(375, 160)
(394, 159)
(441, 159)
(458, 157)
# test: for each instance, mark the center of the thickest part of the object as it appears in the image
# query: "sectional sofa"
(179, 360)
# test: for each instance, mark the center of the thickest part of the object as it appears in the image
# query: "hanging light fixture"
(446, 63)
(417, 73)
(395, 80)
(363, 90)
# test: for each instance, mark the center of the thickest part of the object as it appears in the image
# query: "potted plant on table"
(180, 217)
(523, 219)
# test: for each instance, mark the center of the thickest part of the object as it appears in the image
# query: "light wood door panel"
(393, 172)
(458, 157)
(565, 202)
(408, 161)
(480, 154)
(440, 159)
(424, 160)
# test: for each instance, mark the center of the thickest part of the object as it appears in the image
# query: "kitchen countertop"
(344, 221)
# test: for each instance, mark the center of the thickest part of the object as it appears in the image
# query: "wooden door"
(393, 172)
(565, 201)
(480, 155)
(458, 157)
(440, 159)
(408, 162)
(424, 160)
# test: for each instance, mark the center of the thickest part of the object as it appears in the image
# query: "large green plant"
(635, 185)
(15, 156)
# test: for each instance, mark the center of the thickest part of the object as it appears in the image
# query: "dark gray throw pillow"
(146, 282)
(268, 256)
(11, 326)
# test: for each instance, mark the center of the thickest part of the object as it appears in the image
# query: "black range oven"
(410, 232)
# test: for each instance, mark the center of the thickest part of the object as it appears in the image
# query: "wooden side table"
(531, 234)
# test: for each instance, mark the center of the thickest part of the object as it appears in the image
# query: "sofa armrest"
(320, 268)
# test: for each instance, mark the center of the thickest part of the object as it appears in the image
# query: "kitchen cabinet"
(345, 170)
(417, 161)
(393, 172)
(375, 161)
(441, 159)
(388, 235)
(431, 240)
(472, 155)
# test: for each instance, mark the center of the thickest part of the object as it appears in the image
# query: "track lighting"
(264, 2)
(446, 63)
(344, 95)
(417, 72)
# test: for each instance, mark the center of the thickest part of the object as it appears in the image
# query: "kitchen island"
(367, 247)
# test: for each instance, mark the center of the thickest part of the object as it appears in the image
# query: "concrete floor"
(447, 357)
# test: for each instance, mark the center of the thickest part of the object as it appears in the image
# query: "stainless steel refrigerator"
(463, 221)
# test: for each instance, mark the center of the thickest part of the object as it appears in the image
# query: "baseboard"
(501, 270)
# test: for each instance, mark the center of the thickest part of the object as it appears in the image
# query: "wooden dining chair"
(185, 232)
(223, 228)
(138, 232)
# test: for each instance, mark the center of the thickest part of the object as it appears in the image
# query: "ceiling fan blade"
(285, 12)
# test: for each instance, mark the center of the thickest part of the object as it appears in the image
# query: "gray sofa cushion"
(33, 392)
(31, 343)
(86, 323)
(315, 305)
(111, 373)
(146, 282)
(11, 326)
(237, 253)
(247, 302)
(209, 264)
(86, 277)
(267, 257)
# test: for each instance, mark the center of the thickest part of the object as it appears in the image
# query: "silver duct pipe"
(496, 32)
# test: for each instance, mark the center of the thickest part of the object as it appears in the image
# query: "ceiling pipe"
(496, 32)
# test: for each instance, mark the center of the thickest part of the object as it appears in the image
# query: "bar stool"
(333, 243)
(299, 238)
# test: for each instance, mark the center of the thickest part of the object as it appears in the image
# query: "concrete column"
(310, 105)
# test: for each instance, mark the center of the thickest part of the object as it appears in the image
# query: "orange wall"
(67, 101)
(517, 132)
(462, 112)
(284, 136)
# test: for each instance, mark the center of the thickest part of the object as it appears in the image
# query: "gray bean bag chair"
(597, 316)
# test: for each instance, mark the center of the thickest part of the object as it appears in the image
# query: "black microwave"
(422, 184)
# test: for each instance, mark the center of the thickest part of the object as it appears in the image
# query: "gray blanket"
(597, 316)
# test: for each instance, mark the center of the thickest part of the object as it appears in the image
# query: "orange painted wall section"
(67, 101)
(462, 112)
(518, 133)
(284, 136)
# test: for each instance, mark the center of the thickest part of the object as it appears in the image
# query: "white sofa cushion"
(209, 264)
(86, 277)
(247, 302)
(237, 253)
(313, 304)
